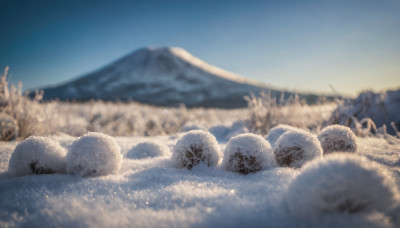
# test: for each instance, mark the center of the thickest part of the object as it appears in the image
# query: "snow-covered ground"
(152, 192)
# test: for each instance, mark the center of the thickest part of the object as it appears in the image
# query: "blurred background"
(306, 46)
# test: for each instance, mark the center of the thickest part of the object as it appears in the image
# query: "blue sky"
(298, 45)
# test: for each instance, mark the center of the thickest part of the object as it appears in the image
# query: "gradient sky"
(298, 45)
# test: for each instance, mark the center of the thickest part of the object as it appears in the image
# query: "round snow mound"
(191, 127)
(37, 155)
(337, 138)
(247, 153)
(194, 147)
(294, 148)
(341, 183)
(147, 150)
(94, 154)
(275, 132)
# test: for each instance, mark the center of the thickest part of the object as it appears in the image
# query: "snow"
(248, 153)
(194, 147)
(341, 184)
(275, 132)
(37, 155)
(337, 138)
(154, 193)
(148, 150)
(94, 154)
(294, 148)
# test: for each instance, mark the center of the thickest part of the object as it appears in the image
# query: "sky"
(305, 46)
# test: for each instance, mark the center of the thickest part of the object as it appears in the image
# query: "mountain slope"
(161, 76)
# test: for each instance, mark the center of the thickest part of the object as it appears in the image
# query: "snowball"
(294, 148)
(248, 153)
(194, 147)
(275, 132)
(147, 149)
(341, 183)
(337, 138)
(37, 155)
(94, 154)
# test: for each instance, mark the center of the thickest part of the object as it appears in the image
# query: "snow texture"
(247, 153)
(275, 132)
(337, 138)
(148, 150)
(37, 155)
(294, 148)
(196, 147)
(341, 184)
(153, 193)
(94, 154)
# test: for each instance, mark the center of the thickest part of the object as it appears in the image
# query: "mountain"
(166, 76)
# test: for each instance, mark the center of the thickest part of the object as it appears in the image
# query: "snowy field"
(152, 192)
(153, 170)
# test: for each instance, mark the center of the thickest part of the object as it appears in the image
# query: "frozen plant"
(247, 153)
(337, 138)
(148, 150)
(8, 127)
(294, 148)
(37, 155)
(94, 154)
(341, 183)
(266, 111)
(194, 147)
(275, 132)
(28, 114)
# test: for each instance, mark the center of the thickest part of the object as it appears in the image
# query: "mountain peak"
(166, 76)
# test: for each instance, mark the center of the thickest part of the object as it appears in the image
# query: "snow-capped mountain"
(166, 76)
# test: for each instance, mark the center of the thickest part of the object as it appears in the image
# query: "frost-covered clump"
(247, 153)
(341, 183)
(194, 147)
(294, 148)
(337, 138)
(148, 150)
(94, 154)
(275, 132)
(37, 155)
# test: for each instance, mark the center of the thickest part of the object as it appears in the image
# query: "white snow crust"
(194, 147)
(294, 148)
(337, 138)
(94, 154)
(37, 155)
(342, 184)
(247, 153)
(148, 150)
